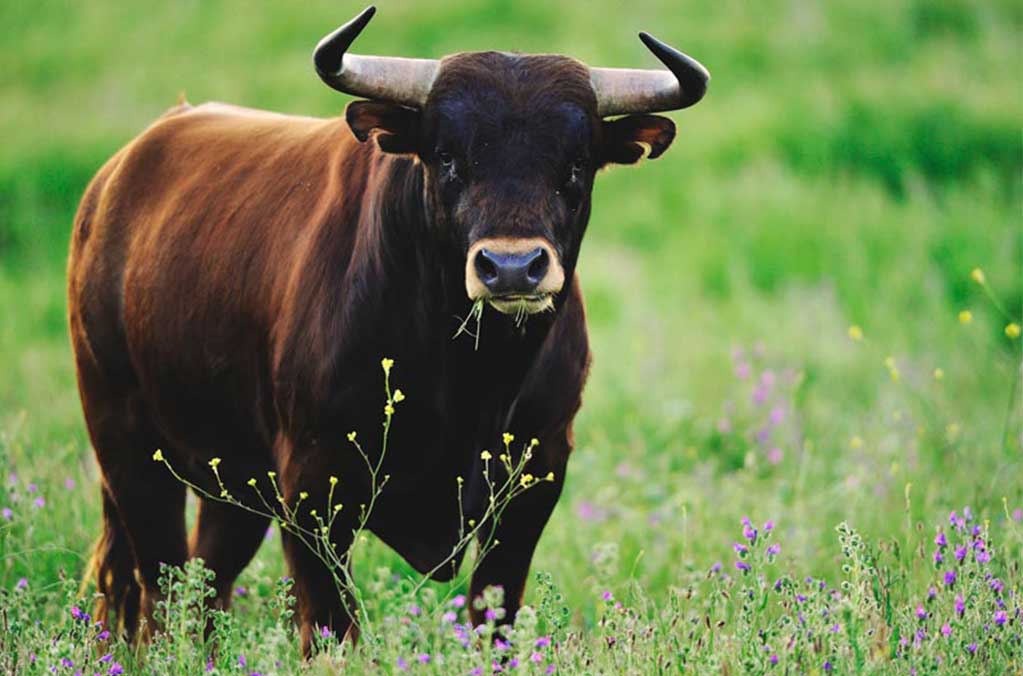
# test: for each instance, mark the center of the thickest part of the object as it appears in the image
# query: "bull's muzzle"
(514, 275)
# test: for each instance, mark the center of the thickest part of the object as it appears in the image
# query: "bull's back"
(182, 251)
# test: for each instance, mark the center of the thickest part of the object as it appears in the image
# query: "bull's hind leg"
(226, 538)
(144, 506)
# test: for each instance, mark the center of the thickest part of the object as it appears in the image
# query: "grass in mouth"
(475, 312)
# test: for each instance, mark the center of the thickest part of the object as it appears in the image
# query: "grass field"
(782, 312)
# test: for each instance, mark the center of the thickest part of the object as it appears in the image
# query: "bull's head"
(511, 144)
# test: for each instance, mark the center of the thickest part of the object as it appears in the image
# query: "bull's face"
(510, 144)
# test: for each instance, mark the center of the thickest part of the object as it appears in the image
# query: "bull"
(236, 276)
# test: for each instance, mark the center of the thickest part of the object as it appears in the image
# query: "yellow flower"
(952, 431)
(856, 442)
(534, 442)
(251, 482)
(223, 492)
(303, 495)
(472, 522)
(158, 455)
(271, 474)
(855, 333)
(388, 410)
(214, 462)
(333, 481)
(351, 436)
(550, 476)
(508, 438)
(526, 479)
(939, 374)
(965, 317)
(312, 513)
(503, 457)
(387, 364)
(399, 396)
(460, 480)
(337, 507)
(1012, 330)
(485, 455)
(977, 275)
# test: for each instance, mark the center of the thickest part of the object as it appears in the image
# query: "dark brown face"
(510, 144)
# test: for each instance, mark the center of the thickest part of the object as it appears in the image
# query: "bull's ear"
(626, 138)
(395, 127)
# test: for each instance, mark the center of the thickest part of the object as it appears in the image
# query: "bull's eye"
(448, 166)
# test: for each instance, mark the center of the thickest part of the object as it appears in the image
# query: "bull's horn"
(621, 91)
(385, 78)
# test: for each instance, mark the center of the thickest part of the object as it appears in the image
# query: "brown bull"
(236, 277)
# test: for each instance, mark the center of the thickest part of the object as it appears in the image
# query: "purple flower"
(543, 642)
(960, 553)
(768, 526)
(983, 556)
(774, 549)
(449, 617)
(550, 669)
(938, 558)
(836, 628)
(403, 665)
(607, 596)
(423, 658)
(921, 613)
(972, 648)
(1000, 618)
(32, 488)
(115, 669)
(960, 604)
(931, 593)
(800, 598)
(536, 657)
(66, 663)
(940, 540)
(241, 591)
(513, 662)
(501, 645)
(39, 502)
(241, 661)
(740, 548)
(209, 665)
(106, 658)
(827, 665)
(103, 636)
(7, 513)
(946, 629)
(22, 583)
(950, 578)
(773, 659)
(69, 484)
(742, 370)
(777, 415)
(716, 568)
(458, 601)
(490, 614)
(742, 565)
(996, 585)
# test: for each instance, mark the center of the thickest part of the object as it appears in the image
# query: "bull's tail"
(112, 567)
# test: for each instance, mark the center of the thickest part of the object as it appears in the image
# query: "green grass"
(852, 163)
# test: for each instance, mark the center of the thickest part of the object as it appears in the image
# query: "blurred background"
(853, 161)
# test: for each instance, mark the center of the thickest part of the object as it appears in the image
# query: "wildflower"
(960, 604)
(856, 442)
(893, 370)
(855, 333)
(775, 455)
(827, 665)
(946, 629)
(1000, 618)
(921, 613)
(768, 526)
(485, 456)
(402, 664)
(106, 658)
(543, 642)
(965, 316)
(507, 438)
(158, 455)
(774, 549)
(351, 437)
(836, 628)
(940, 540)
(77, 614)
(773, 659)
(950, 578)
(536, 657)
(983, 556)
(550, 476)
(7, 513)
(960, 552)
(399, 396)
(938, 557)
(490, 615)
(214, 462)
(388, 409)
(502, 645)
(740, 548)
(115, 669)
(525, 480)
(977, 275)
(972, 648)
(939, 374)
(39, 502)
(742, 565)
(1012, 330)
(65, 662)
(749, 533)
(387, 364)
(69, 484)
(103, 636)
(241, 661)
(22, 583)
(458, 601)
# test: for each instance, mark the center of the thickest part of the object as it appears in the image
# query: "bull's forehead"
(525, 82)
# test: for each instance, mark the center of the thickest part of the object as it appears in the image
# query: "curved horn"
(621, 91)
(386, 78)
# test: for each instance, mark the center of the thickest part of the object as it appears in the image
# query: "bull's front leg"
(323, 598)
(519, 528)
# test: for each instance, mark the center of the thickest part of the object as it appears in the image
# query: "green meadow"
(802, 313)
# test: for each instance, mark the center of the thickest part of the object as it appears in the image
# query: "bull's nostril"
(485, 267)
(538, 267)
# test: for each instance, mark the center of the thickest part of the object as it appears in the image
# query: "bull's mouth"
(521, 306)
